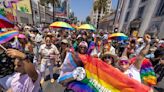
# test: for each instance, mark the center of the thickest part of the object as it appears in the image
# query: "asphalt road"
(51, 87)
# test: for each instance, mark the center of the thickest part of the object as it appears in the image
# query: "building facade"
(94, 14)
(149, 12)
(106, 22)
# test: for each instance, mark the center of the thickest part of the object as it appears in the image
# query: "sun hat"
(64, 41)
(114, 56)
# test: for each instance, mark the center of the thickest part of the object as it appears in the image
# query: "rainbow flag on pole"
(6, 36)
(101, 77)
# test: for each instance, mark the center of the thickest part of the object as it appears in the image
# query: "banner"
(8, 9)
(24, 6)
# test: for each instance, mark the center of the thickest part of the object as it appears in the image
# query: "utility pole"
(32, 12)
(39, 12)
(53, 10)
(115, 17)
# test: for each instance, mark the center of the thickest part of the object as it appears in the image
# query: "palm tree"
(100, 6)
(88, 19)
(54, 3)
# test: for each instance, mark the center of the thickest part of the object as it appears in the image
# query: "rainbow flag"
(91, 47)
(6, 36)
(147, 73)
(100, 77)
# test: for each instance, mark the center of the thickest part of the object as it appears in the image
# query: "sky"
(83, 8)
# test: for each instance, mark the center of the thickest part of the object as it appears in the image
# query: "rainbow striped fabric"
(91, 47)
(100, 77)
(6, 36)
(147, 72)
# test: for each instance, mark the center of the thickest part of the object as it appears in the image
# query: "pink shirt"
(24, 83)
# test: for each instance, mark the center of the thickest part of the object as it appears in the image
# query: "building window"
(130, 3)
(160, 10)
(143, 1)
(127, 16)
(140, 12)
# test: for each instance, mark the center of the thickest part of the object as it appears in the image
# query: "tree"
(100, 5)
(88, 19)
(54, 3)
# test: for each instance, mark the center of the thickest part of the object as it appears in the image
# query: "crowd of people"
(24, 63)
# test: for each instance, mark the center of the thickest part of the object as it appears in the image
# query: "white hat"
(64, 41)
(83, 43)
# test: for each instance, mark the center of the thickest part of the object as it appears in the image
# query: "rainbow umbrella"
(87, 27)
(5, 23)
(60, 24)
(118, 36)
(74, 26)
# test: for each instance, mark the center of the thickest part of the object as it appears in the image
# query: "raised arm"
(143, 52)
(125, 52)
(28, 66)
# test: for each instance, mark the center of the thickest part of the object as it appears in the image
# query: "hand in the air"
(13, 53)
(147, 38)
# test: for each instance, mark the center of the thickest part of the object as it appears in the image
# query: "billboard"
(24, 6)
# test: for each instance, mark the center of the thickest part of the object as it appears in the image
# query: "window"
(130, 3)
(127, 16)
(160, 10)
(143, 1)
(140, 12)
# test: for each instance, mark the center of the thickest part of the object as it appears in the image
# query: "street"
(51, 87)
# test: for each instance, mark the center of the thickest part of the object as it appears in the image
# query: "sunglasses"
(107, 57)
(83, 47)
(124, 62)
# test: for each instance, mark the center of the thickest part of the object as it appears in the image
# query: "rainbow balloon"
(100, 77)
(6, 36)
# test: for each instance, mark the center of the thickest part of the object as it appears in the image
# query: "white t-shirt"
(38, 38)
(133, 72)
(112, 50)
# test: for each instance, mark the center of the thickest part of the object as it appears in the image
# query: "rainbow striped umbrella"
(5, 23)
(87, 27)
(118, 36)
(60, 24)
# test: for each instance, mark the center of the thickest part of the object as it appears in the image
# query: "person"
(107, 47)
(82, 48)
(26, 78)
(159, 64)
(76, 43)
(64, 49)
(48, 54)
(6, 69)
(95, 52)
(133, 70)
(109, 58)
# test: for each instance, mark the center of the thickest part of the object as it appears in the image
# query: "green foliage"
(88, 19)
(100, 5)
(2, 11)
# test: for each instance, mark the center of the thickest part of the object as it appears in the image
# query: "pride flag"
(101, 77)
(147, 73)
(6, 36)
(91, 47)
